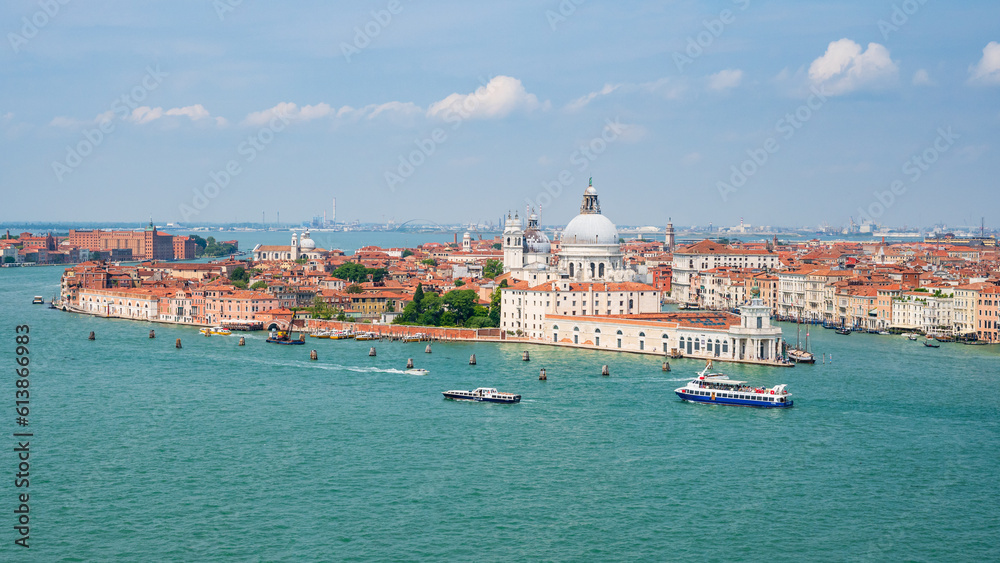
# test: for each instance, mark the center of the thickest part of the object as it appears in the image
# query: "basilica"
(589, 249)
(298, 249)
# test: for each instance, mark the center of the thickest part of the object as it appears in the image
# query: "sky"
(772, 112)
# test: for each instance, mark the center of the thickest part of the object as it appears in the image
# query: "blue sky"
(782, 113)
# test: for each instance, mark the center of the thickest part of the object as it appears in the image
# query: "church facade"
(299, 248)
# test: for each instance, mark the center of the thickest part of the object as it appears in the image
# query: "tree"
(259, 285)
(321, 309)
(240, 284)
(8, 259)
(459, 283)
(495, 307)
(239, 274)
(497, 246)
(354, 288)
(407, 252)
(429, 262)
(418, 295)
(493, 268)
(462, 303)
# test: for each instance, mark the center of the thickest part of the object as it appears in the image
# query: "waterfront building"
(924, 312)
(988, 314)
(524, 308)
(747, 337)
(149, 244)
(690, 261)
(127, 303)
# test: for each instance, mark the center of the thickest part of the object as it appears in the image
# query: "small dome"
(590, 228)
(536, 241)
(307, 243)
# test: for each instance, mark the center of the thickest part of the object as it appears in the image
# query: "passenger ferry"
(366, 336)
(482, 394)
(717, 388)
(216, 330)
(38, 300)
(340, 335)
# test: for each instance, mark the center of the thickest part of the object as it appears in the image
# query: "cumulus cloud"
(845, 68)
(921, 78)
(502, 96)
(582, 101)
(987, 70)
(725, 79)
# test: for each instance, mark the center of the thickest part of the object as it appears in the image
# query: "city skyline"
(703, 112)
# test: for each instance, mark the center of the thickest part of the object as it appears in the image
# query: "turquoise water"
(218, 452)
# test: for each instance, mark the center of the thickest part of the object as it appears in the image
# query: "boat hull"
(285, 342)
(733, 402)
(454, 397)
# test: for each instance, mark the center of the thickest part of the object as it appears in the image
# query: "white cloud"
(288, 111)
(987, 70)
(140, 116)
(582, 101)
(499, 98)
(725, 79)
(921, 78)
(146, 114)
(291, 112)
(845, 68)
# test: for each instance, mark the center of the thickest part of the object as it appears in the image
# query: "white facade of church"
(299, 248)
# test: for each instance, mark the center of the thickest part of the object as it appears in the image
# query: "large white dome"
(590, 228)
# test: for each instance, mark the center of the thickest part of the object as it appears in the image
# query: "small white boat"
(215, 330)
(911, 336)
(38, 300)
(417, 371)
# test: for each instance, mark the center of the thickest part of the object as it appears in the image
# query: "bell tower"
(513, 243)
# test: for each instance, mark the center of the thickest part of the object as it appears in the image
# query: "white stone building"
(304, 248)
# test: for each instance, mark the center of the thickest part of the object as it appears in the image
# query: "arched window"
(597, 331)
(600, 269)
(619, 333)
(508, 241)
(570, 269)
(725, 346)
(629, 303)
(555, 327)
(664, 336)
(642, 335)
(592, 270)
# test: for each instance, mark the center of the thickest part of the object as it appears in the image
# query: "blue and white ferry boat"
(718, 389)
(483, 394)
